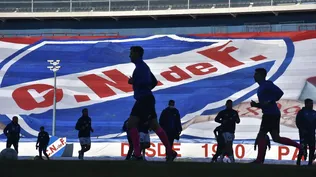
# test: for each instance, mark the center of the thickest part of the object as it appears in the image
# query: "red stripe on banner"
(295, 36)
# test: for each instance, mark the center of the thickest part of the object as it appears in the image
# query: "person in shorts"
(84, 127)
(268, 95)
(228, 119)
(143, 81)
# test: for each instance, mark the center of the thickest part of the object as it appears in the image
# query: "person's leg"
(44, 152)
(223, 153)
(283, 140)
(261, 140)
(130, 149)
(142, 138)
(154, 125)
(304, 146)
(83, 144)
(275, 132)
(262, 144)
(9, 143)
(86, 146)
(133, 121)
(311, 146)
(40, 152)
(229, 150)
(303, 143)
(16, 146)
(274, 121)
(305, 154)
(143, 149)
(170, 140)
(229, 137)
(219, 150)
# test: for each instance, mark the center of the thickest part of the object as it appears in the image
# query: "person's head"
(136, 53)
(85, 112)
(260, 74)
(309, 103)
(42, 128)
(229, 104)
(171, 103)
(15, 119)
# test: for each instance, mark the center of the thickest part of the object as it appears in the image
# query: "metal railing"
(132, 5)
(82, 34)
(307, 27)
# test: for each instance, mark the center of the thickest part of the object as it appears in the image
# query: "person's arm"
(37, 142)
(179, 126)
(218, 118)
(19, 132)
(215, 132)
(299, 119)
(6, 130)
(276, 91)
(91, 129)
(124, 127)
(154, 81)
(162, 119)
(255, 104)
(314, 122)
(48, 138)
(78, 125)
(237, 118)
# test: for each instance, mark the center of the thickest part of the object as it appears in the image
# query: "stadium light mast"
(54, 67)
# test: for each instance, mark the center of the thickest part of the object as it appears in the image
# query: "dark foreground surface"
(54, 168)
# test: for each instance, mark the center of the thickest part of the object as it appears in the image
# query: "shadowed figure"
(306, 124)
(268, 94)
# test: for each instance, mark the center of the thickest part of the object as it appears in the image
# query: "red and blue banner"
(199, 72)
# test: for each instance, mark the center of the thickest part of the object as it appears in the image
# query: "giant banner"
(199, 72)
